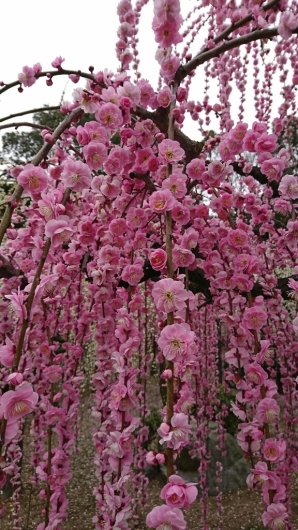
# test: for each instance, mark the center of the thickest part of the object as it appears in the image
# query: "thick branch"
(35, 161)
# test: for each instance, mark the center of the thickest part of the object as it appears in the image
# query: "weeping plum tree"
(158, 235)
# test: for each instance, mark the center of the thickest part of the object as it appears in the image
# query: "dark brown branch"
(184, 70)
(16, 125)
(31, 111)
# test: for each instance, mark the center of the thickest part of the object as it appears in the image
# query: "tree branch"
(16, 125)
(31, 111)
(202, 58)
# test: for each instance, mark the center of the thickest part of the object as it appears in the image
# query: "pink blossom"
(27, 76)
(169, 295)
(17, 403)
(266, 142)
(110, 116)
(16, 378)
(165, 518)
(267, 410)
(178, 494)
(275, 517)
(254, 318)
(255, 373)
(164, 97)
(180, 214)
(176, 342)
(132, 274)
(7, 352)
(237, 238)
(274, 450)
(176, 183)
(76, 175)
(18, 303)
(95, 155)
(158, 259)
(59, 230)
(161, 201)
(289, 187)
(272, 168)
(176, 436)
(196, 168)
(170, 151)
(288, 22)
(57, 62)
(33, 179)
(155, 459)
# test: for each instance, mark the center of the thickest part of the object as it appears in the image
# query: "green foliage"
(19, 147)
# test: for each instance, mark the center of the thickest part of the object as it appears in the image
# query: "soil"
(241, 510)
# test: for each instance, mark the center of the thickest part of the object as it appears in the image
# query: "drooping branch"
(31, 111)
(42, 153)
(184, 70)
(16, 125)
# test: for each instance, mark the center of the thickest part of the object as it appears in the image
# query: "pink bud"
(15, 378)
(160, 457)
(167, 374)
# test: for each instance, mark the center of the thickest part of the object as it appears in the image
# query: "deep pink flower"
(110, 116)
(17, 403)
(165, 518)
(169, 295)
(7, 352)
(33, 179)
(158, 259)
(132, 274)
(275, 516)
(254, 318)
(161, 201)
(176, 183)
(170, 151)
(178, 494)
(95, 155)
(76, 175)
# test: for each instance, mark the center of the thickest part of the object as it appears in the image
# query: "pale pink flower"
(196, 168)
(289, 187)
(59, 230)
(57, 62)
(16, 378)
(18, 303)
(170, 151)
(182, 257)
(176, 342)
(17, 403)
(7, 352)
(267, 410)
(169, 295)
(288, 22)
(260, 475)
(155, 459)
(27, 76)
(33, 179)
(274, 450)
(84, 99)
(275, 517)
(76, 175)
(165, 518)
(158, 259)
(178, 494)
(176, 436)
(249, 437)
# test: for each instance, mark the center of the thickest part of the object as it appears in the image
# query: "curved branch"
(50, 74)
(35, 161)
(31, 111)
(25, 124)
(201, 58)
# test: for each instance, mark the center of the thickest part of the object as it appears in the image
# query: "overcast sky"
(84, 33)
